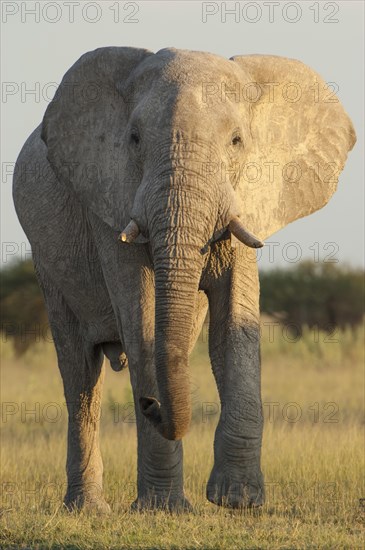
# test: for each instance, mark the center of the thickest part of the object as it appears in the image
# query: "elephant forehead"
(209, 79)
(190, 67)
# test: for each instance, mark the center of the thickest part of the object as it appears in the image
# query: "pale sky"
(41, 40)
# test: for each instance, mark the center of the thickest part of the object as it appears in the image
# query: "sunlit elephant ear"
(300, 139)
(84, 128)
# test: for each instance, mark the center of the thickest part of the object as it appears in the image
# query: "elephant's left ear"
(300, 139)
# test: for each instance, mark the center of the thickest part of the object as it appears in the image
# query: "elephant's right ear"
(84, 129)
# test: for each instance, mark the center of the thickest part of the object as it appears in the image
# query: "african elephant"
(136, 191)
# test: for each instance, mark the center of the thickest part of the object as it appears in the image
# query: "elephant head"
(178, 148)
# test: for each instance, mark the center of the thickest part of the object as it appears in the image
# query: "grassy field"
(312, 459)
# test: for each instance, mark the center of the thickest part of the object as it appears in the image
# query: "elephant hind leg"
(81, 367)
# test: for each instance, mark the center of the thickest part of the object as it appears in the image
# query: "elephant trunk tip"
(152, 410)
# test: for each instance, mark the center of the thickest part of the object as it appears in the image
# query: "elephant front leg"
(233, 291)
(160, 469)
(159, 461)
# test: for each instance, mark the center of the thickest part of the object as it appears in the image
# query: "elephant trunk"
(176, 289)
(178, 226)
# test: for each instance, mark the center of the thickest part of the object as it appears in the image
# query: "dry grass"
(313, 466)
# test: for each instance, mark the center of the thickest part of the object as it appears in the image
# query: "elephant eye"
(236, 139)
(135, 139)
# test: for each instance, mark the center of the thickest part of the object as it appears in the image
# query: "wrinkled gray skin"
(132, 135)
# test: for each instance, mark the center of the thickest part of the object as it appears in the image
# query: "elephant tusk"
(130, 233)
(237, 229)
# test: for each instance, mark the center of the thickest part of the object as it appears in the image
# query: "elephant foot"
(175, 505)
(222, 491)
(90, 504)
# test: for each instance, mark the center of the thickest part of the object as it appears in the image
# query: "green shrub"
(311, 294)
(321, 295)
(23, 314)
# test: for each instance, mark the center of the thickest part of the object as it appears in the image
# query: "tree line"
(322, 295)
